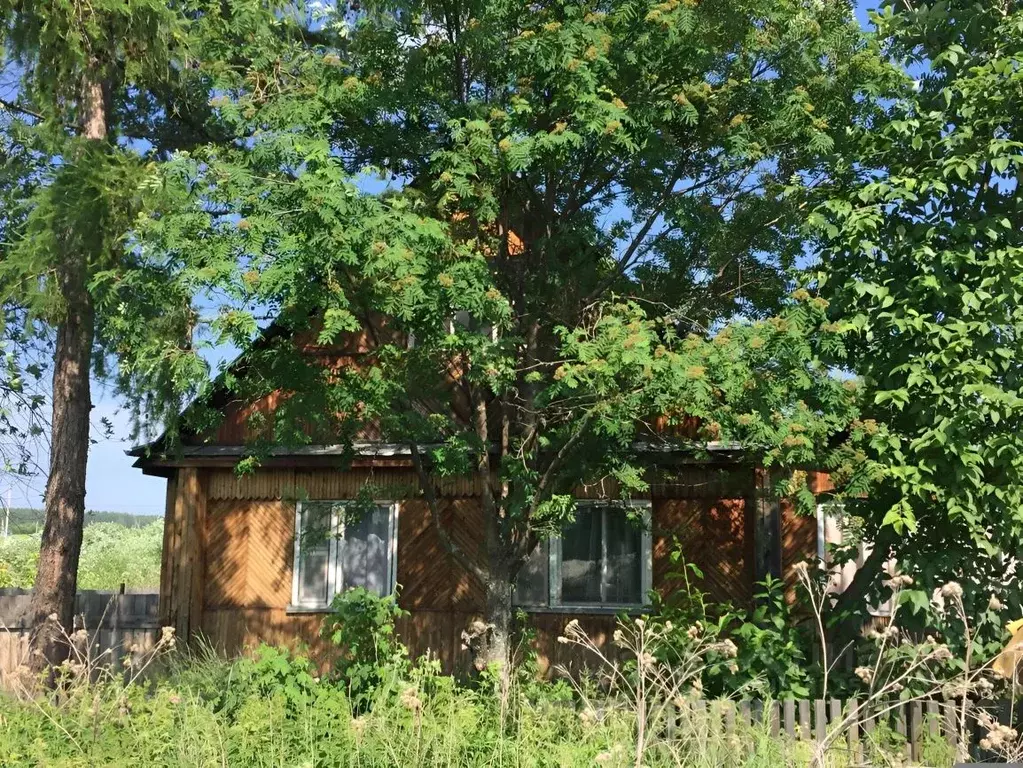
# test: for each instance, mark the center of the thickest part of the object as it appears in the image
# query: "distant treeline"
(31, 520)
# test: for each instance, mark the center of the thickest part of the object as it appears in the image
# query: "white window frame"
(335, 577)
(554, 557)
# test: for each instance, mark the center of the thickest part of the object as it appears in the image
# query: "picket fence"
(910, 724)
(117, 622)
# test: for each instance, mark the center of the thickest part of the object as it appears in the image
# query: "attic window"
(340, 545)
(602, 560)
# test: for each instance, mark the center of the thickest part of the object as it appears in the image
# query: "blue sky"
(112, 484)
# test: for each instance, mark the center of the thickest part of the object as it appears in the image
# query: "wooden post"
(168, 558)
(767, 527)
(184, 557)
(915, 715)
(855, 748)
(805, 734)
(820, 720)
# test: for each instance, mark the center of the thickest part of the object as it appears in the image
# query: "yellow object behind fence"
(1008, 661)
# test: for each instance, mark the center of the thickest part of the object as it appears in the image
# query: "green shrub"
(771, 651)
(361, 626)
(19, 555)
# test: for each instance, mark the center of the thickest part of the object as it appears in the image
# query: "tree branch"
(10, 106)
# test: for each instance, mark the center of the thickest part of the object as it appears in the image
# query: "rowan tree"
(560, 222)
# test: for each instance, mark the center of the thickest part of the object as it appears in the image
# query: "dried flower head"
(866, 674)
(952, 591)
(410, 699)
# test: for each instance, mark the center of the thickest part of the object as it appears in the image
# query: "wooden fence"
(852, 726)
(117, 623)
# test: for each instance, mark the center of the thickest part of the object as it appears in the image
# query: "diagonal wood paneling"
(249, 554)
(713, 535)
(798, 543)
(430, 578)
(227, 534)
(249, 550)
(270, 551)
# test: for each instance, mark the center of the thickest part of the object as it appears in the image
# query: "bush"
(770, 650)
(361, 626)
(19, 555)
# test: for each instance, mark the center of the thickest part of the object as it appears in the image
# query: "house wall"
(228, 552)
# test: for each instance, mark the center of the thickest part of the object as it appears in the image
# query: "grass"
(274, 710)
(112, 554)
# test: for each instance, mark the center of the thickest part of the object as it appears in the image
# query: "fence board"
(851, 725)
(118, 625)
(855, 746)
(804, 720)
(820, 721)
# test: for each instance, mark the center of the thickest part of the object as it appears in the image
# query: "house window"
(340, 545)
(602, 559)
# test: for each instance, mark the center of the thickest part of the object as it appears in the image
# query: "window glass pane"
(531, 584)
(580, 557)
(364, 550)
(313, 553)
(624, 566)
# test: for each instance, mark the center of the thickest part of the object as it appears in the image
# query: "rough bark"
(497, 652)
(53, 597)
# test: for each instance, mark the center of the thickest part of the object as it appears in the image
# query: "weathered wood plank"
(820, 720)
(805, 734)
(853, 737)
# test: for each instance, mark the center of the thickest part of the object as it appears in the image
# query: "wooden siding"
(292, 484)
(229, 548)
(182, 577)
(799, 534)
(715, 536)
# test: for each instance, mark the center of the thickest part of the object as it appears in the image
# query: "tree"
(577, 199)
(923, 266)
(86, 123)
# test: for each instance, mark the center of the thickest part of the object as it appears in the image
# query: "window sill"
(586, 610)
(299, 609)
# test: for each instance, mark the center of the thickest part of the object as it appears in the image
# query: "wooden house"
(236, 570)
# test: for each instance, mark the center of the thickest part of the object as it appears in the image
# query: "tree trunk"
(489, 641)
(851, 606)
(499, 620)
(57, 572)
(51, 611)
